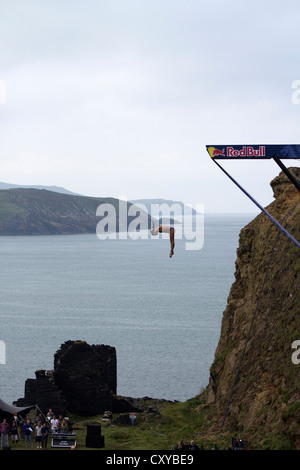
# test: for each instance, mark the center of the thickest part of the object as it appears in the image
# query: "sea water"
(162, 315)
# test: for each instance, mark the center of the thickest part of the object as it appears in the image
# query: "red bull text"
(246, 151)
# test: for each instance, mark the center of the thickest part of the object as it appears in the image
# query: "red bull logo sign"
(253, 151)
(238, 152)
(216, 152)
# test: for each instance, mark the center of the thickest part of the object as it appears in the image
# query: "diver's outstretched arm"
(155, 231)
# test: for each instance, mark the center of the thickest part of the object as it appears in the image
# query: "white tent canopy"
(11, 409)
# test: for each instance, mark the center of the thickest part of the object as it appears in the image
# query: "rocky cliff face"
(266, 398)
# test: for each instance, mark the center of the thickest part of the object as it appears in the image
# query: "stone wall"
(83, 381)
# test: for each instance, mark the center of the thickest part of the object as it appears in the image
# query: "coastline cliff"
(31, 211)
(256, 390)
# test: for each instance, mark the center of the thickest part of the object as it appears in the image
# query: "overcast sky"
(120, 97)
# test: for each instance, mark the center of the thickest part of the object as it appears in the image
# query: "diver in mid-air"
(166, 229)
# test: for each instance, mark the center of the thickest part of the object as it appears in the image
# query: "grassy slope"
(177, 421)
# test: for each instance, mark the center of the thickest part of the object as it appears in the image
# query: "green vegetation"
(41, 212)
(8, 209)
(175, 421)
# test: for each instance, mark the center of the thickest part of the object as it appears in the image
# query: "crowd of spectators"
(39, 430)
